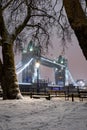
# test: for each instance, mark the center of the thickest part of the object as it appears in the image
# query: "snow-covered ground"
(42, 114)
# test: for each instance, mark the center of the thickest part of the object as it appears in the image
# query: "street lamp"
(37, 67)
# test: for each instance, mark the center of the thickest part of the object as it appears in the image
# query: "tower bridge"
(30, 72)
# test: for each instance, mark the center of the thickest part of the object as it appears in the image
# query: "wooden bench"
(40, 95)
(57, 93)
(82, 94)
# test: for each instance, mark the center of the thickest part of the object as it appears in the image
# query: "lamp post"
(37, 67)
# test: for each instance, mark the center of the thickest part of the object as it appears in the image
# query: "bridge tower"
(60, 72)
(27, 73)
(32, 51)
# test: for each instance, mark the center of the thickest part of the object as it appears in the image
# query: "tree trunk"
(0, 70)
(2, 83)
(78, 22)
(9, 81)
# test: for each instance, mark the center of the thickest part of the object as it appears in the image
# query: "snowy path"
(41, 114)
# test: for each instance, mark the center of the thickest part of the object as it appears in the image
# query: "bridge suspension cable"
(24, 67)
(71, 78)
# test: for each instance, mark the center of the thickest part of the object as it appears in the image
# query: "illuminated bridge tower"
(32, 51)
(27, 73)
(60, 72)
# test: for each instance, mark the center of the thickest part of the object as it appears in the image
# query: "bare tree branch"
(21, 26)
(7, 4)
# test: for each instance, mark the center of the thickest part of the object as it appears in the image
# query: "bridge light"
(56, 69)
(60, 77)
(37, 64)
(61, 61)
(30, 46)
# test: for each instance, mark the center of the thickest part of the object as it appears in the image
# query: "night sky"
(76, 61)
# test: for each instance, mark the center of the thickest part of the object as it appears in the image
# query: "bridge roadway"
(43, 61)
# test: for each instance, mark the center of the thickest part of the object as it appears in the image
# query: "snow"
(42, 114)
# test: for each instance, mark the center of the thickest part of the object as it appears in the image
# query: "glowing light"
(61, 62)
(31, 49)
(56, 69)
(37, 64)
(24, 83)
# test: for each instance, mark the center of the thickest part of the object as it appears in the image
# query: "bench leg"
(30, 95)
(72, 97)
(48, 98)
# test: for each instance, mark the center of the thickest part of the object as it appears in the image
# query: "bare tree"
(76, 11)
(16, 18)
